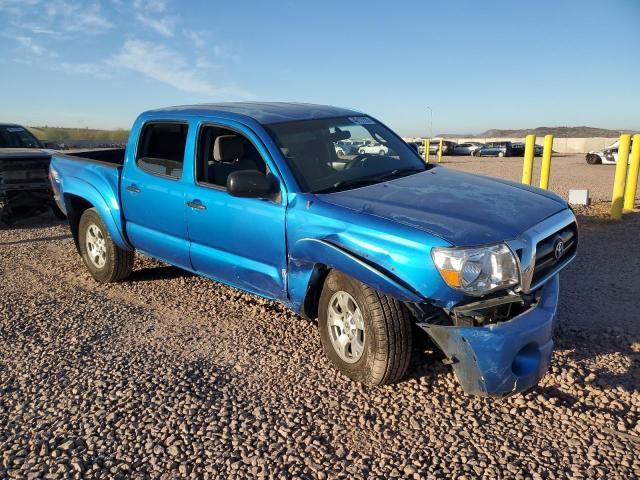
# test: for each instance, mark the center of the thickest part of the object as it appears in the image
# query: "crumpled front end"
(502, 358)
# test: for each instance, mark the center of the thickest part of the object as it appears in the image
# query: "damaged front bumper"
(502, 358)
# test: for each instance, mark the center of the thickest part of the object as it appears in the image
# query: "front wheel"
(593, 159)
(365, 334)
(105, 261)
(500, 154)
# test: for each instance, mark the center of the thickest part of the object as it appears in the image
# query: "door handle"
(133, 188)
(196, 204)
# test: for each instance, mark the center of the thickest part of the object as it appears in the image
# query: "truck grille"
(554, 251)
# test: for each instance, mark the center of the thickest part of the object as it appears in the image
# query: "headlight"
(477, 271)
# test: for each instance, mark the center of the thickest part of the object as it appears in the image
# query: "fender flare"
(110, 214)
(308, 253)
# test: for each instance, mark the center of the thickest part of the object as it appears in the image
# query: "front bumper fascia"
(504, 358)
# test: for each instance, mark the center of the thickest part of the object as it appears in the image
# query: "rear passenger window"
(161, 148)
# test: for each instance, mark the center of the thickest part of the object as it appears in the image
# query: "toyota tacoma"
(374, 246)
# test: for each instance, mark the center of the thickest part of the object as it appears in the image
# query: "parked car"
(606, 156)
(245, 194)
(434, 146)
(517, 149)
(466, 148)
(374, 148)
(339, 150)
(494, 149)
(350, 147)
(24, 166)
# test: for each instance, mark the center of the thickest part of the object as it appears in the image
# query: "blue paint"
(380, 234)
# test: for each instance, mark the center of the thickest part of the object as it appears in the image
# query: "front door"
(239, 241)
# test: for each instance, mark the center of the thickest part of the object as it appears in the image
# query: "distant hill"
(70, 135)
(558, 132)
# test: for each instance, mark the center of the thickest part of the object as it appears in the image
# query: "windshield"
(17, 137)
(332, 154)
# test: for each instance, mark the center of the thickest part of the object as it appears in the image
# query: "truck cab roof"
(262, 112)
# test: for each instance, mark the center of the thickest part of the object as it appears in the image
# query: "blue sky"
(478, 65)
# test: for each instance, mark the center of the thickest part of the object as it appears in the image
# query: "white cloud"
(56, 16)
(150, 13)
(92, 69)
(155, 6)
(197, 38)
(163, 26)
(31, 46)
(167, 66)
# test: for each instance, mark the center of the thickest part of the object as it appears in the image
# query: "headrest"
(228, 148)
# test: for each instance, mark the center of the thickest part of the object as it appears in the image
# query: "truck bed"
(109, 157)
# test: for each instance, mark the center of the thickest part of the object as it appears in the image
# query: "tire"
(381, 152)
(361, 151)
(500, 154)
(593, 159)
(387, 331)
(107, 263)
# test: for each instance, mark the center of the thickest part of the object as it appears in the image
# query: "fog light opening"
(526, 361)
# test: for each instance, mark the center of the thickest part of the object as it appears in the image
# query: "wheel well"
(314, 289)
(75, 208)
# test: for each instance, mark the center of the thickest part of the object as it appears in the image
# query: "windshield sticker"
(362, 120)
(15, 129)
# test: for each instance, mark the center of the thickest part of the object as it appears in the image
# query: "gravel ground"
(567, 172)
(168, 375)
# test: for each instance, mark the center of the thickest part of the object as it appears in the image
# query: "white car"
(374, 148)
(606, 156)
(339, 150)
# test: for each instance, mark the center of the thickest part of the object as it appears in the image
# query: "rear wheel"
(104, 259)
(365, 334)
(501, 154)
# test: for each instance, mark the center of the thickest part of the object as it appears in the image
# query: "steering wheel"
(357, 161)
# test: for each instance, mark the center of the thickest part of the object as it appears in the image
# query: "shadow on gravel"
(39, 239)
(30, 223)
(161, 272)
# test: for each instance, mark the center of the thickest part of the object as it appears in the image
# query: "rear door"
(152, 192)
(239, 241)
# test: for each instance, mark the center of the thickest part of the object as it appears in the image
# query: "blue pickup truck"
(374, 246)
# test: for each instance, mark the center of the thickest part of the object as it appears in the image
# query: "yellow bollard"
(546, 161)
(440, 151)
(618, 181)
(632, 175)
(427, 143)
(527, 166)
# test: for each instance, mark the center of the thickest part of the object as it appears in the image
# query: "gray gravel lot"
(567, 172)
(169, 375)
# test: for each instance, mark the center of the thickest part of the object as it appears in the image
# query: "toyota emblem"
(558, 249)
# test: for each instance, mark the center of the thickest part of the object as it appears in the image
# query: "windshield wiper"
(348, 183)
(370, 180)
(398, 172)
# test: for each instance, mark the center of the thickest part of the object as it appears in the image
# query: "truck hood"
(23, 153)
(461, 208)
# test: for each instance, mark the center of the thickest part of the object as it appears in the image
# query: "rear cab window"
(161, 148)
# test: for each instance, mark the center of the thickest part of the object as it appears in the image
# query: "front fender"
(109, 209)
(308, 253)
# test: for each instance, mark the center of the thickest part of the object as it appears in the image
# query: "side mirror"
(251, 184)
